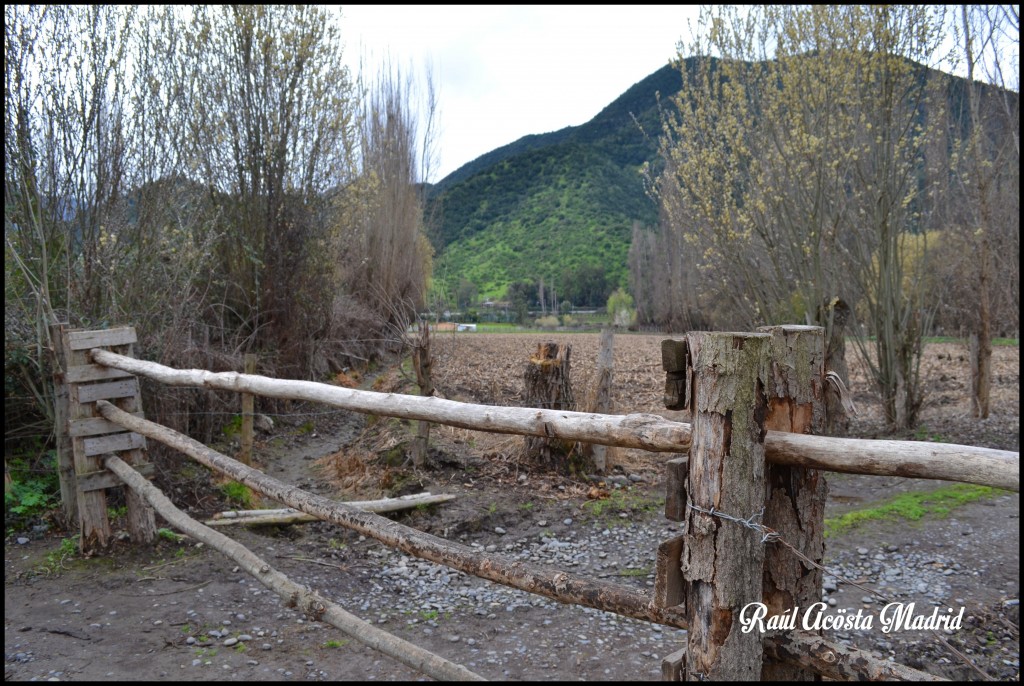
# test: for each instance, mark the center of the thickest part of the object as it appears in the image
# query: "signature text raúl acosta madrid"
(892, 617)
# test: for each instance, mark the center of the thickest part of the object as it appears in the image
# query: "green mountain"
(561, 206)
(555, 206)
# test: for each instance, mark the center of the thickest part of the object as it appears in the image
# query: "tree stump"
(548, 387)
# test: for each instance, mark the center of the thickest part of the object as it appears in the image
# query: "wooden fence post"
(722, 560)
(601, 402)
(245, 454)
(65, 454)
(795, 499)
(422, 363)
(92, 436)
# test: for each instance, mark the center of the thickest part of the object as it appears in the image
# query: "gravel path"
(199, 618)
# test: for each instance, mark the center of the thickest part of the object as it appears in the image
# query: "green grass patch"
(237, 493)
(1012, 342)
(911, 506)
(634, 572)
(168, 535)
(622, 500)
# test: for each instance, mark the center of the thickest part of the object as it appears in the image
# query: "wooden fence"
(749, 489)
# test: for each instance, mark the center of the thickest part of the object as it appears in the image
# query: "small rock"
(567, 521)
(230, 642)
(498, 530)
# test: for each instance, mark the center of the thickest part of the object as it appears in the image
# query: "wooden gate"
(749, 489)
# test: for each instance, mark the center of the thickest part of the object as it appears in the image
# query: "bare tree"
(984, 241)
(795, 170)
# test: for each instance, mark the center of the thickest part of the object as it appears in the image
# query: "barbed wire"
(769, 535)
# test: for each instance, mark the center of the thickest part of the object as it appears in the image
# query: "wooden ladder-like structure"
(84, 437)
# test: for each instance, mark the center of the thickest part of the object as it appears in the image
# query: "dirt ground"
(180, 611)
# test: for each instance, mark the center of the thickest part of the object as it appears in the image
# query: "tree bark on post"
(422, 363)
(548, 387)
(835, 316)
(722, 559)
(795, 499)
(248, 407)
(602, 402)
(65, 454)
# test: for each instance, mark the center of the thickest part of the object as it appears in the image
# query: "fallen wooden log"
(313, 604)
(289, 515)
(546, 581)
(913, 459)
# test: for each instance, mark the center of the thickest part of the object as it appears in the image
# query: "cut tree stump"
(548, 387)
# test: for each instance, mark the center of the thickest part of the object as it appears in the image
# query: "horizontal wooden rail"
(943, 461)
(311, 603)
(546, 581)
(831, 660)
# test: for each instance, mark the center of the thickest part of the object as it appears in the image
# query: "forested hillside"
(549, 205)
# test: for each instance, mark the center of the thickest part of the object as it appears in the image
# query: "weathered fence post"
(248, 407)
(722, 560)
(422, 363)
(602, 399)
(65, 454)
(795, 499)
(92, 436)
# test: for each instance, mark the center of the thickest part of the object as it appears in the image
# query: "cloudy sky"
(502, 72)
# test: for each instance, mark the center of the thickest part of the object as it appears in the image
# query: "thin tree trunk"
(981, 344)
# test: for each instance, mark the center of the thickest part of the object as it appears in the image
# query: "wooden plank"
(673, 667)
(95, 426)
(83, 340)
(125, 388)
(61, 406)
(112, 443)
(97, 481)
(93, 372)
(677, 472)
(668, 576)
(93, 524)
(676, 361)
(675, 355)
